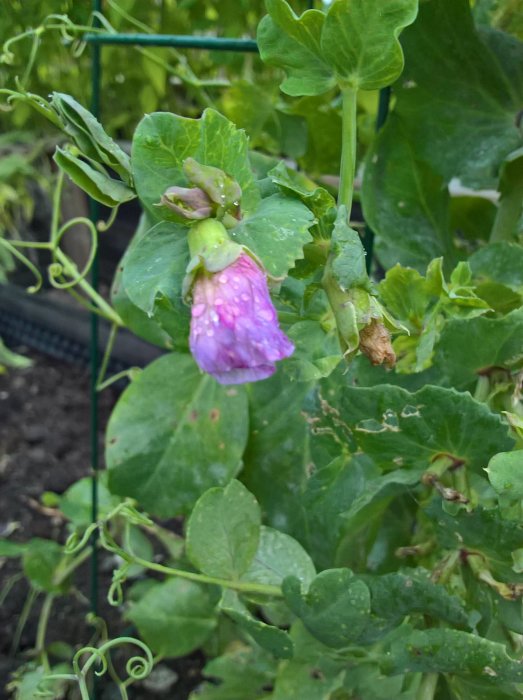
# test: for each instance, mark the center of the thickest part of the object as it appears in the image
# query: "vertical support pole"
(94, 215)
(383, 111)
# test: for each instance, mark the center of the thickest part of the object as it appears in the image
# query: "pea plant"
(342, 432)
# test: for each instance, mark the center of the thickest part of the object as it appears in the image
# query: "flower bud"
(188, 202)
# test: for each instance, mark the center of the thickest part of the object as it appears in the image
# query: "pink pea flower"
(235, 335)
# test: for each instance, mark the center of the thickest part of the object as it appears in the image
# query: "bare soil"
(44, 446)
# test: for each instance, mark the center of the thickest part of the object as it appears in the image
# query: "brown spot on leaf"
(193, 416)
(214, 414)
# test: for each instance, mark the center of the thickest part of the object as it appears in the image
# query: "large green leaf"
(277, 453)
(162, 142)
(176, 616)
(335, 609)
(276, 232)
(509, 219)
(293, 43)
(223, 531)
(41, 560)
(405, 202)
(453, 651)
(470, 345)
(152, 276)
(458, 97)
(394, 426)
(360, 40)
(167, 410)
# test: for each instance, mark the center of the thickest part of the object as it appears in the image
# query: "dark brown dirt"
(44, 446)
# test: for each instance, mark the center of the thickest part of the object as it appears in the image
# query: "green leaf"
(76, 502)
(481, 529)
(152, 431)
(404, 293)
(277, 451)
(360, 40)
(293, 43)
(405, 202)
(175, 617)
(470, 345)
(40, 562)
(317, 199)
(453, 651)
(459, 105)
(98, 185)
(394, 426)
(314, 673)
(329, 492)
(223, 531)
(509, 218)
(501, 262)
(348, 254)
(505, 473)
(276, 233)
(277, 557)
(335, 609)
(242, 672)
(376, 495)
(268, 637)
(317, 352)
(395, 595)
(152, 276)
(90, 136)
(161, 143)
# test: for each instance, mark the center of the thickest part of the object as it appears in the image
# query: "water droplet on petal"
(198, 310)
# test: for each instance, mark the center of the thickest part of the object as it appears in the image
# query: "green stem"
(63, 573)
(348, 150)
(125, 373)
(105, 308)
(241, 586)
(42, 629)
(28, 604)
(428, 686)
(107, 355)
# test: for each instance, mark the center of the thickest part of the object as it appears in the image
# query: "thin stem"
(105, 308)
(242, 586)
(31, 244)
(107, 355)
(348, 151)
(428, 686)
(22, 620)
(42, 629)
(115, 377)
(63, 573)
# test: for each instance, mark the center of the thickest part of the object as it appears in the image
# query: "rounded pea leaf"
(505, 473)
(175, 617)
(167, 410)
(279, 555)
(335, 609)
(223, 531)
(360, 40)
